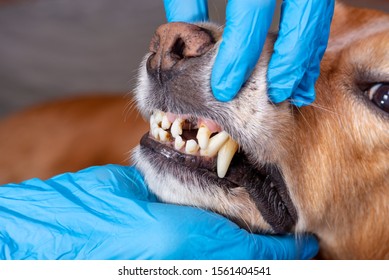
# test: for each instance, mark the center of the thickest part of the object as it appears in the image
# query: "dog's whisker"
(307, 122)
(315, 105)
(129, 109)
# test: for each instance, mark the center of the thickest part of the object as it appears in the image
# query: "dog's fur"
(68, 135)
(334, 154)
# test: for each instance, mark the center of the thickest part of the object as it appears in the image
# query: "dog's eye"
(379, 95)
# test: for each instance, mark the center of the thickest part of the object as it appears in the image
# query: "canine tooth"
(176, 129)
(163, 134)
(203, 136)
(191, 147)
(224, 157)
(178, 143)
(215, 143)
(165, 122)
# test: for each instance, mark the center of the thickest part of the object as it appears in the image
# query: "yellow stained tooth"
(179, 143)
(215, 143)
(224, 157)
(176, 129)
(165, 122)
(191, 147)
(203, 136)
(163, 135)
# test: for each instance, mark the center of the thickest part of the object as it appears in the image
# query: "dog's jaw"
(235, 204)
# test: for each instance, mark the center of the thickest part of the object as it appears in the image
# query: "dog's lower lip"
(181, 158)
(265, 185)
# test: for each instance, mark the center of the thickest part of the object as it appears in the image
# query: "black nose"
(174, 42)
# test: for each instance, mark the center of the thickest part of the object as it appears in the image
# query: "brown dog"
(275, 168)
(321, 169)
(68, 135)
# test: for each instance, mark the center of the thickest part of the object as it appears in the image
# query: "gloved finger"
(187, 11)
(247, 24)
(113, 175)
(296, 46)
(305, 92)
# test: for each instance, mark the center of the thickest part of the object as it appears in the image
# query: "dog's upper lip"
(265, 185)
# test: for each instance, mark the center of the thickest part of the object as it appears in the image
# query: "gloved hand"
(295, 64)
(108, 213)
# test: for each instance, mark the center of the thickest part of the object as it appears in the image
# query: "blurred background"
(51, 49)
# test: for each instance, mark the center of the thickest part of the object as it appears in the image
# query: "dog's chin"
(256, 198)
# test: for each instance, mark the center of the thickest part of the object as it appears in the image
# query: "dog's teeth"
(163, 135)
(215, 143)
(191, 147)
(152, 121)
(178, 143)
(165, 122)
(158, 117)
(155, 132)
(224, 157)
(203, 136)
(176, 129)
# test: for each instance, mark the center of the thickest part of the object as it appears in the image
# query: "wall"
(55, 48)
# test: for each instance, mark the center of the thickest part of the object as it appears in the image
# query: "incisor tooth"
(191, 147)
(158, 117)
(224, 157)
(176, 129)
(155, 132)
(215, 143)
(152, 121)
(178, 143)
(163, 135)
(165, 122)
(203, 136)
(154, 125)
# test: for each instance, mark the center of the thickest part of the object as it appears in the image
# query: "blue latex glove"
(108, 213)
(295, 64)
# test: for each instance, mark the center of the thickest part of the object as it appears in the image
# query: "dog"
(68, 135)
(275, 168)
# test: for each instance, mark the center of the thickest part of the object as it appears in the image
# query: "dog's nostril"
(173, 42)
(178, 49)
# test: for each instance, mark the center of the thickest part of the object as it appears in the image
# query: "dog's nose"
(175, 42)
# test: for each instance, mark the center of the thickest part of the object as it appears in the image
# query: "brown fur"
(362, 152)
(68, 135)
